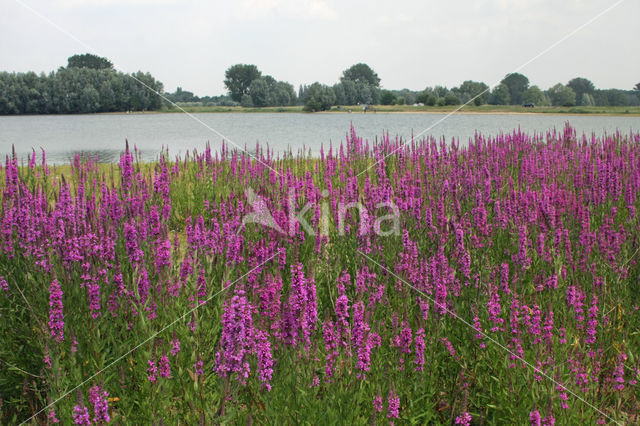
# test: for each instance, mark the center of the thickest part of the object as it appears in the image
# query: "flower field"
(406, 282)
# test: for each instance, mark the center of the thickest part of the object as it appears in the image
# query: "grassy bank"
(469, 109)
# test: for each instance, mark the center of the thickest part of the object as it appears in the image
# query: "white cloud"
(102, 3)
(301, 9)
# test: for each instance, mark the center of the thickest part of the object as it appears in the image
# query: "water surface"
(104, 135)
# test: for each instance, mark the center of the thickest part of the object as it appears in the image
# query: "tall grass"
(134, 293)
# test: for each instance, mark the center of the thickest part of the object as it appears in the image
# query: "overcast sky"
(410, 44)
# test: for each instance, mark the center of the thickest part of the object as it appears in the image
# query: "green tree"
(350, 92)
(440, 91)
(451, 99)
(246, 101)
(387, 98)
(500, 95)
(470, 89)
(284, 94)
(517, 84)
(319, 97)
(338, 90)
(259, 92)
(361, 73)
(365, 93)
(562, 95)
(533, 95)
(408, 95)
(587, 100)
(581, 86)
(182, 96)
(238, 78)
(426, 97)
(617, 97)
(89, 61)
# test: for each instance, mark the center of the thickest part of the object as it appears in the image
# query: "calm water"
(63, 136)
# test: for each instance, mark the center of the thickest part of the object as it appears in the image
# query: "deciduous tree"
(89, 61)
(517, 84)
(238, 78)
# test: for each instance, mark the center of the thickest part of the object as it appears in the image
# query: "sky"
(410, 44)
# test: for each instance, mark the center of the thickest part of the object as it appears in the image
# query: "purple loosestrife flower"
(163, 254)
(56, 316)
(405, 338)
(143, 284)
(424, 307)
(265, 358)
(549, 420)
(202, 285)
(330, 345)
(562, 332)
(377, 404)
(236, 341)
(314, 382)
(152, 371)
(592, 323)
(3, 284)
(359, 327)
(52, 417)
(419, 348)
(552, 282)
(494, 308)
(535, 419)
(478, 328)
(175, 347)
(131, 242)
(270, 305)
(394, 406)
(342, 311)
(548, 328)
(94, 298)
(311, 311)
(100, 400)
(364, 354)
(440, 303)
(463, 419)
(449, 346)
(197, 367)
(165, 368)
(618, 373)
(81, 415)
(562, 395)
(575, 299)
(523, 243)
(534, 324)
(301, 314)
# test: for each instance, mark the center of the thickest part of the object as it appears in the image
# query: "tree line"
(87, 84)
(90, 84)
(360, 85)
(514, 89)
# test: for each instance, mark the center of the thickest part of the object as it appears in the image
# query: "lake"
(104, 135)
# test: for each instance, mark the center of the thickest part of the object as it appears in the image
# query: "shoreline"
(482, 110)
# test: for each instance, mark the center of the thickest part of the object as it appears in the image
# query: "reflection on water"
(97, 155)
(104, 135)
